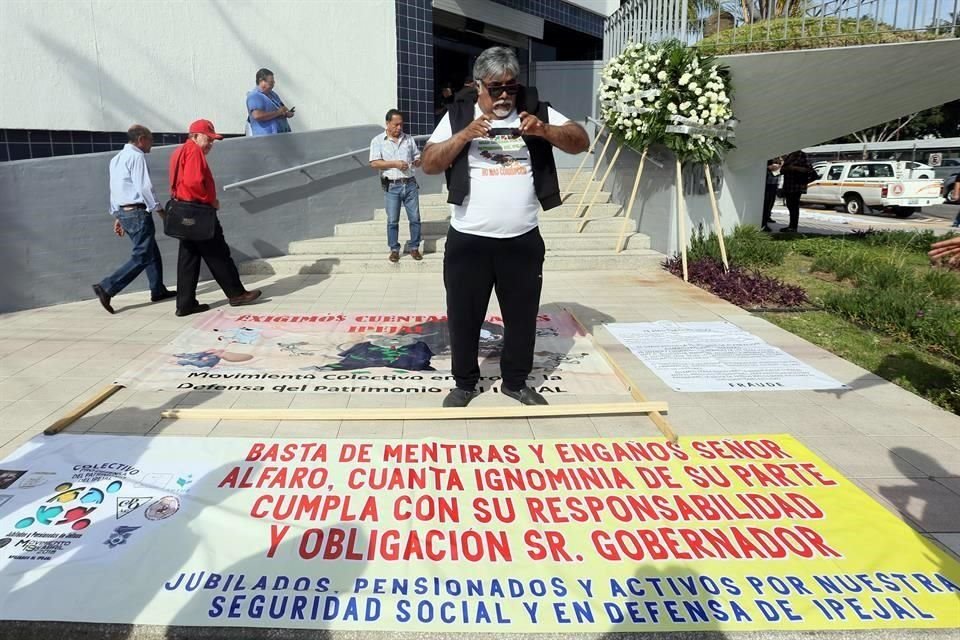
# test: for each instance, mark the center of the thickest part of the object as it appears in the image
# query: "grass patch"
(917, 371)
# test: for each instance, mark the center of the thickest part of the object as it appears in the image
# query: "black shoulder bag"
(185, 220)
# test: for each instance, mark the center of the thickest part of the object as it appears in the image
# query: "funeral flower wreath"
(669, 94)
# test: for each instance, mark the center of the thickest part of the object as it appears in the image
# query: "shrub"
(746, 247)
(787, 34)
(902, 312)
(739, 286)
(942, 284)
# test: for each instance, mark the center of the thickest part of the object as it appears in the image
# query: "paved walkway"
(902, 450)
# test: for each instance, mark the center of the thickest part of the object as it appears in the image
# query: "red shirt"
(194, 181)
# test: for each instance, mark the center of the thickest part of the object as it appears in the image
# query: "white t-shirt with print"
(502, 202)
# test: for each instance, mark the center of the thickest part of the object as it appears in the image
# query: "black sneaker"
(460, 397)
(197, 308)
(103, 297)
(524, 396)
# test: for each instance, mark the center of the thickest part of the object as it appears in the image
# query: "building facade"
(80, 73)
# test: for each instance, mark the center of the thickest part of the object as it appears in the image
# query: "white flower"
(684, 106)
(698, 91)
(694, 86)
(662, 75)
(702, 100)
(672, 108)
(705, 114)
(645, 78)
(684, 79)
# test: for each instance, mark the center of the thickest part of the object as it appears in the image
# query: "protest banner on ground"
(712, 533)
(360, 353)
(716, 356)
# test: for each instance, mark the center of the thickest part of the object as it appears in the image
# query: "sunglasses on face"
(495, 90)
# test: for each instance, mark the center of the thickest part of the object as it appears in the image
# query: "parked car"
(861, 186)
(948, 168)
(917, 171)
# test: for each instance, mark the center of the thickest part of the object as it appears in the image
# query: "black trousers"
(793, 206)
(769, 197)
(216, 254)
(472, 267)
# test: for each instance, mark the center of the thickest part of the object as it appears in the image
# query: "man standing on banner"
(497, 152)
(133, 203)
(395, 155)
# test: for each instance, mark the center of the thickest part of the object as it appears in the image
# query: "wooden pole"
(420, 413)
(603, 181)
(564, 196)
(593, 175)
(633, 197)
(655, 416)
(681, 223)
(82, 410)
(718, 228)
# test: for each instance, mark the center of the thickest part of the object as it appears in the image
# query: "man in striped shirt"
(395, 155)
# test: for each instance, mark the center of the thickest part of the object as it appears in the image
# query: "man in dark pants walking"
(498, 155)
(797, 174)
(192, 181)
(133, 203)
(770, 191)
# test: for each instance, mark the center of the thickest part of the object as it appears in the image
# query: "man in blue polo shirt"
(266, 112)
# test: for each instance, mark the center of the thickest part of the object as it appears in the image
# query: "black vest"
(545, 181)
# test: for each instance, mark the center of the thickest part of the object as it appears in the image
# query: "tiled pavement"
(903, 451)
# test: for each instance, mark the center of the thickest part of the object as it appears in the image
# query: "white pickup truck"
(860, 186)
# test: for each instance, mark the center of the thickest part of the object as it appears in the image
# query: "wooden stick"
(593, 175)
(655, 416)
(681, 223)
(718, 228)
(82, 410)
(596, 138)
(420, 413)
(633, 197)
(603, 181)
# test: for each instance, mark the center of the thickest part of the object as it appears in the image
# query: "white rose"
(645, 78)
(694, 87)
(662, 75)
(672, 108)
(684, 79)
(702, 100)
(705, 114)
(684, 106)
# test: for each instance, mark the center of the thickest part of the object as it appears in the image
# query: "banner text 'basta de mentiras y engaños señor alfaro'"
(736, 533)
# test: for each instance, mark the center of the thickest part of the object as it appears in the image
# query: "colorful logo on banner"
(58, 510)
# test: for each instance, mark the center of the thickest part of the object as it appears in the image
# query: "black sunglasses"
(495, 90)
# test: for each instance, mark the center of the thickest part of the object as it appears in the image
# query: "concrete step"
(438, 199)
(548, 226)
(346, 246)
(433, 263)
(442, 212)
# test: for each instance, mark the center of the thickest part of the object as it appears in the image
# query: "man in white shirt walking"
(132, 203)
(498, 155)
(395, 155)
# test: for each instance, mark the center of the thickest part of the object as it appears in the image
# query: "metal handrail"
(302, 167)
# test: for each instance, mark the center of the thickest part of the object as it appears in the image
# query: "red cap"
(206, 128)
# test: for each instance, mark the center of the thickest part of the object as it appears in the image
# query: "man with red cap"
(192, 181)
